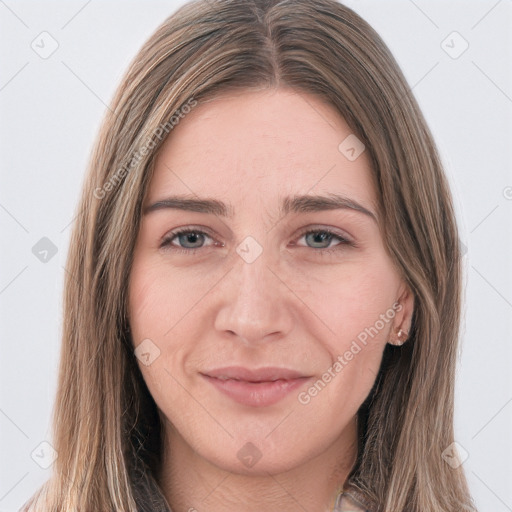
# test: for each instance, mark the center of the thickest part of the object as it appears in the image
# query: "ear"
(403, 319)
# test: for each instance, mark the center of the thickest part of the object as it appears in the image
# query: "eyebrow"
(291, 204)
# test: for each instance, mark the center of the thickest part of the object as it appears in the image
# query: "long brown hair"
(106, 426)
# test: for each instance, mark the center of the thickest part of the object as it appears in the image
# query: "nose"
(254, 302)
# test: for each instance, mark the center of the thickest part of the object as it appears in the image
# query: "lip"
(255, 387)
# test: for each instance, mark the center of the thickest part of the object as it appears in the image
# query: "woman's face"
(260, 332)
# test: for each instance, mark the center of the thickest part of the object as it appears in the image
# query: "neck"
(191, 483)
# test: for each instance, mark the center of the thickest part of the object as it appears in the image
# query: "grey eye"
(319, 239)
(191, 240)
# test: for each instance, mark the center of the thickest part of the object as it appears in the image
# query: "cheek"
(161, 297)
(345, 384)
(352, 300)
(358, 311)
(166, 307)
(153, 311)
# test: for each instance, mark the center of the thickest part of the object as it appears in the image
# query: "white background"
(50, 110)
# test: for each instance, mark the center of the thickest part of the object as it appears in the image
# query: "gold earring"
(399, 335)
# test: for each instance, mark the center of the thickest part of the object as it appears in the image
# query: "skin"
(295, 306)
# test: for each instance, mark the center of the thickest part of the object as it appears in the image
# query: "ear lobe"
(403, 319)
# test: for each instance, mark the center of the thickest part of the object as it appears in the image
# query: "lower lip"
(256, 394)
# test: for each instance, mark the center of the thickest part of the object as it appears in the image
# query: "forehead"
(259, 146)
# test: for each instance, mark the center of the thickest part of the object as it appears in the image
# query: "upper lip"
(267, 374)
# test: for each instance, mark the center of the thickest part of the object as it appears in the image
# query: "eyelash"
(167, 241)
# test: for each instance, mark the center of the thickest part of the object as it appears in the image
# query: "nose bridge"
(254, 304)
(252, 270)
(255, 281)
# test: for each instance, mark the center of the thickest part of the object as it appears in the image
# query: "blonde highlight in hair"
(106, 426)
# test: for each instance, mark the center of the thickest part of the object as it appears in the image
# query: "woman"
(263, 294)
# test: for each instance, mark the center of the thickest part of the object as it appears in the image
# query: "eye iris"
(192, 238)
(319, 237)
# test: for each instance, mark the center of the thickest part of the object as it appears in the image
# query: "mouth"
(256, 388)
